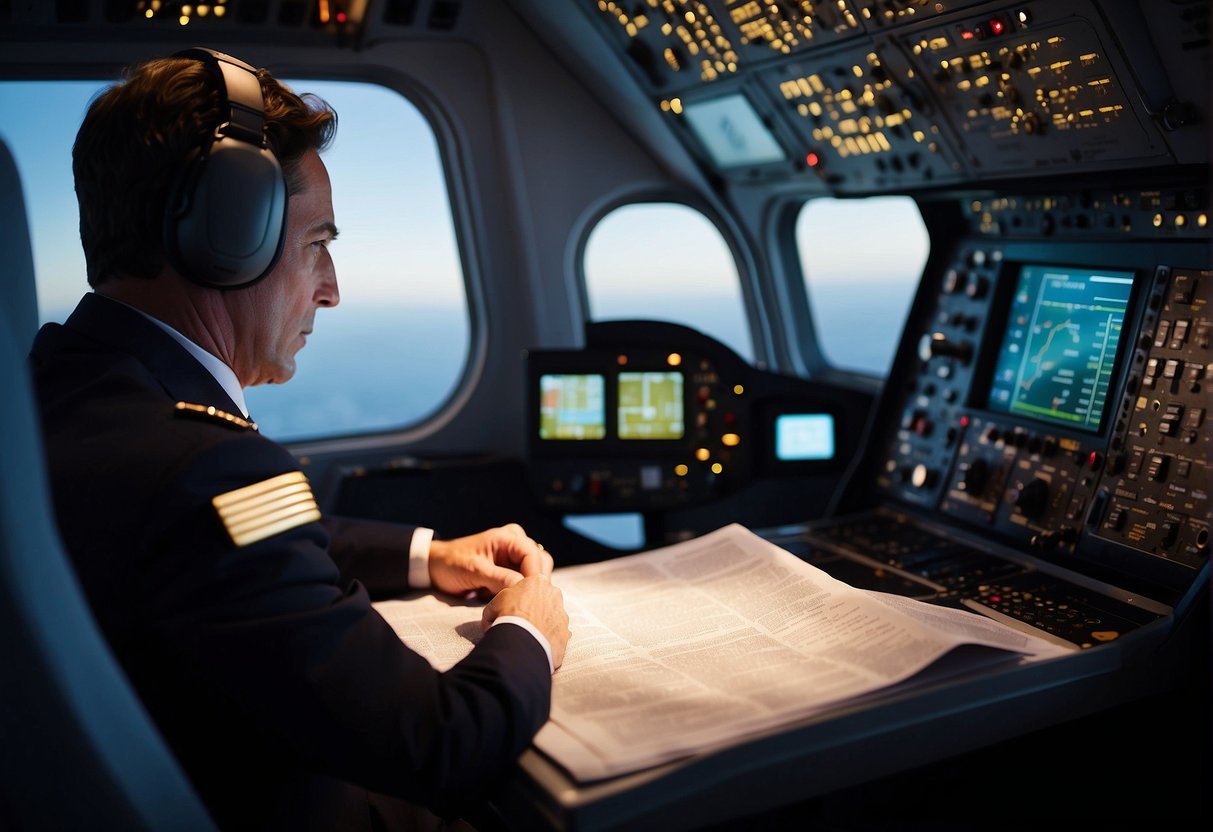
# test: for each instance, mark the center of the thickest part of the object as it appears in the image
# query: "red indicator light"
(813, 159)
(964, 421)
(341, 18)
(966, 35)
(996, 26)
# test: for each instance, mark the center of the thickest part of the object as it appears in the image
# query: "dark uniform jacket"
(281, 690)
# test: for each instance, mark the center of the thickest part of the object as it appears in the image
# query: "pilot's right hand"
(540, 602)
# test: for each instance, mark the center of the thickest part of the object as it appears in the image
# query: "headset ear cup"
(230, 217)
(225, 221)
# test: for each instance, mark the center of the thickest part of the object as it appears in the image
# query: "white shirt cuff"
(533, 630)
(419, 558)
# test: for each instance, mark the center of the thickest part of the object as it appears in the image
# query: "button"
(1156, 468)
(1179, 335)
(1183, 288)
(1164, 332)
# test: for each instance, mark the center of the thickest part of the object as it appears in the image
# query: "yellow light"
(730, 440)
(1202, 220)
(1180, 220)
(717, 467)
(673, 359)
(702, 454)
(680, 470)
(183, 20)
(738, 389)
(1158, 220)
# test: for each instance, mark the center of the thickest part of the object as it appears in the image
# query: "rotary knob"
(938, 344)
(1032, 498)
(974, 475)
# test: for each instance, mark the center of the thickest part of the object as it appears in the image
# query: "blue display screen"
(804, 436)
(1059, 350)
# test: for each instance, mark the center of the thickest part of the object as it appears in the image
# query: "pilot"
(241, 615)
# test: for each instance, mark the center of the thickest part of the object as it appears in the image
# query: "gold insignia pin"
(267, 508)
(211, 412)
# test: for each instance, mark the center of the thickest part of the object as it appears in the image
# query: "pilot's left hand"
(486, 562)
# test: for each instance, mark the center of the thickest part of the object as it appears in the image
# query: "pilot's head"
(204, 203)
(146, 143)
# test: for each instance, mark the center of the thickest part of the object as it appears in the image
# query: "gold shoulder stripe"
(212, 412)
(267, 508)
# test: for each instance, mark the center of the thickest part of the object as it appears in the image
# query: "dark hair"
(135, 142)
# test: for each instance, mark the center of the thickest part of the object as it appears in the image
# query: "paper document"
(698, 644)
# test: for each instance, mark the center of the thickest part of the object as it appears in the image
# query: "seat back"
(77, 748)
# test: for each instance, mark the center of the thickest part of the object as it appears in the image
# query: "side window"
(666, 261)
(859, 304)
(398, 266)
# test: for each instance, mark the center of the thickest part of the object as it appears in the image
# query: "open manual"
(696, 645)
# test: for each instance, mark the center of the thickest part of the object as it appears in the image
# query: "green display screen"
(650, 406)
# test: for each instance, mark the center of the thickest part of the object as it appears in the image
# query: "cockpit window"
(665, 261)
(861, 260)
(395, 347)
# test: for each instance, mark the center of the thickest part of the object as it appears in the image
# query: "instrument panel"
(653, 416)
(864, 96)
(1040, 452)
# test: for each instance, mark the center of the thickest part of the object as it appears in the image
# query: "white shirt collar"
(223, 374)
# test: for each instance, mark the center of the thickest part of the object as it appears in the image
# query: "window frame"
(796, 307)
(761, 343)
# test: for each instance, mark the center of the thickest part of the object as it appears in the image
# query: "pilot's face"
(274, 316)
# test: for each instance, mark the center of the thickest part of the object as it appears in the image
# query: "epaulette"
(267, 508)
(214, 414)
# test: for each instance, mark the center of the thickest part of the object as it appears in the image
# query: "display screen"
(804, 436)
(1059, 349)
(732, 131)
(650, 406)
(572, 406)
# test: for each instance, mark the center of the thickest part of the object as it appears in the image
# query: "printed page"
(705, 642)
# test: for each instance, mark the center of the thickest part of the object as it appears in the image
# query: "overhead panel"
(868, 96)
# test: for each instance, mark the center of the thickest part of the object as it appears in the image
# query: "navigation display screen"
(650, 406)
(1059, 350)
(572, 406)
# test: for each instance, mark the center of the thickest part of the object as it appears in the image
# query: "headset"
(225, 221)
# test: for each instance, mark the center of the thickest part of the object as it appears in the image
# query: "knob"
(974, 475)
(922, 476)
(937, 344)
(1031, 498)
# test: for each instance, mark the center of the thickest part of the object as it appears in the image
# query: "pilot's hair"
(136, 139)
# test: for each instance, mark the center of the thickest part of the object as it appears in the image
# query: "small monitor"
(572, 406)
(650, 405)
(804, 437)
(732, 131)
(1059, 348)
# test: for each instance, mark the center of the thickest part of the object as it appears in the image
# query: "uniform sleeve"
(268, 644)
(371, 551)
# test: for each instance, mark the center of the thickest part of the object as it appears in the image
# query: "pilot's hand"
(486, 562)
(540, 602)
